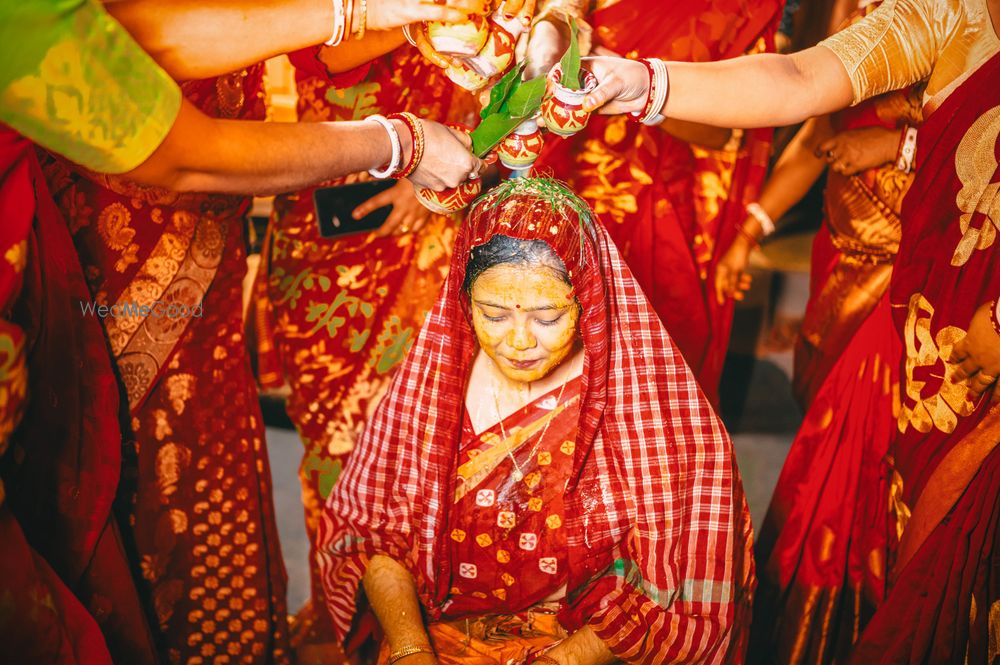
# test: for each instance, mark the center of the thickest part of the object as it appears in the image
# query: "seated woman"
(544, 481)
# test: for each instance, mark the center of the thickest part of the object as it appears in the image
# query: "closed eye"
(549, 322)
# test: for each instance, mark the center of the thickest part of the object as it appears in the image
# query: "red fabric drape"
(61, 555)
(941, 602)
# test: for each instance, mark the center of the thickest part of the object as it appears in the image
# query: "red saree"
(942, 605)
(64, 576)
(657, 531)
(336, 316)
(820, 546)
(643, 182)
(196, 485)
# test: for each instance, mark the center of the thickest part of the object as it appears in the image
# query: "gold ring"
(989, 379)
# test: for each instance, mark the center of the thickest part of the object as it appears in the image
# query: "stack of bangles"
(765, 221)
(343, 19)
(412, 650)
(656, 95)
(995, 315)
(395, 168)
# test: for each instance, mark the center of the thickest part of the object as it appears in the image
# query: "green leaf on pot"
(491, 131)
(570, 63)
(525, 101)
(502, 90)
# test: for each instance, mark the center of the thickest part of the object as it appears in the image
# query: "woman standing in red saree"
(820, 550)
(941, 603)
(202, 520)
(379, 285)
(544, 473)
(643, 181)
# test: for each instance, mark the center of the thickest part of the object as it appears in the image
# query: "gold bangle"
(362, 20)
(413, 649)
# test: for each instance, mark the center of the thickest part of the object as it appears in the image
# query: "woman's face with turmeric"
(525, 318)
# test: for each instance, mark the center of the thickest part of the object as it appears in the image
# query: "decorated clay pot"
(521, 148)
(497, 55)
(459, 39)
(454, 199)
(563, 111)
(450, 200)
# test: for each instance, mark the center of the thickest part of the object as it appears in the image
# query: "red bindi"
(517, 306)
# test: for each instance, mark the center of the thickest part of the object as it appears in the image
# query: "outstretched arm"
(202, 154)
(194, 39)
(764, 90)
(895, 46)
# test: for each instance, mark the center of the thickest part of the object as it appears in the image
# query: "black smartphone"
(334, 206)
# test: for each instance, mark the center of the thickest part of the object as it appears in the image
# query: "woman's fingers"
(380, 200)
(980, 382)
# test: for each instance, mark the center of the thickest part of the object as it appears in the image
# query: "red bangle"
(637, 117)
(416, 139)
(995, 315)
(753, 241)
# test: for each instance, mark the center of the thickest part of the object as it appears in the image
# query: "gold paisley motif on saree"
(933, 398)
(976, 166)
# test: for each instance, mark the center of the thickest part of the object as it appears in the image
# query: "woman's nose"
(520, 338)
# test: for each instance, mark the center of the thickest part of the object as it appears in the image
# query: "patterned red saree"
(63, 575)
(643, 182)
(338, 315)
(656, 549)
(942, 605)
(820, 549)
(197, 485)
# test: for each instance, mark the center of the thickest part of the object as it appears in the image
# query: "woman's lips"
(522, 364)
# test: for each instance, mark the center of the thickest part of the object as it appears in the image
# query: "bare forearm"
(393, 596)
(796, 170)
(766, 90)
(193, 39)
(583, 647)
(204, 154)
(349, 55)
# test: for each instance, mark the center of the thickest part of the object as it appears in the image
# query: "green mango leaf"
(491, 131)
(527, 99)
(502, 90)
(570, 63)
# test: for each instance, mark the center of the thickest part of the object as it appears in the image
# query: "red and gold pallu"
(197, 489)
(644, 182)
(660, 570)
(340, 314)
(65, 578)
(944, 545)
(822, 571)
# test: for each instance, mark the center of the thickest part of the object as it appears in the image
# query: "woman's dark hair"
(503, 249)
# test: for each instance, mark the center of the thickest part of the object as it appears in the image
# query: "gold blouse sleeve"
(896, 45)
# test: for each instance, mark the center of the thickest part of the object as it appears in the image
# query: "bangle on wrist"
(656, 94)
(765, 221)
(397, 148)
(362, 20)
(416, 129)
(340, 26)
(995, 315)
(754, 242)
(906, 153)
(410, 650)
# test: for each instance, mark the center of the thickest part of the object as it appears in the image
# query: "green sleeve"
(75, 82)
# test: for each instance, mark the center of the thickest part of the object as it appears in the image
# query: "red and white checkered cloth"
(659, 536)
